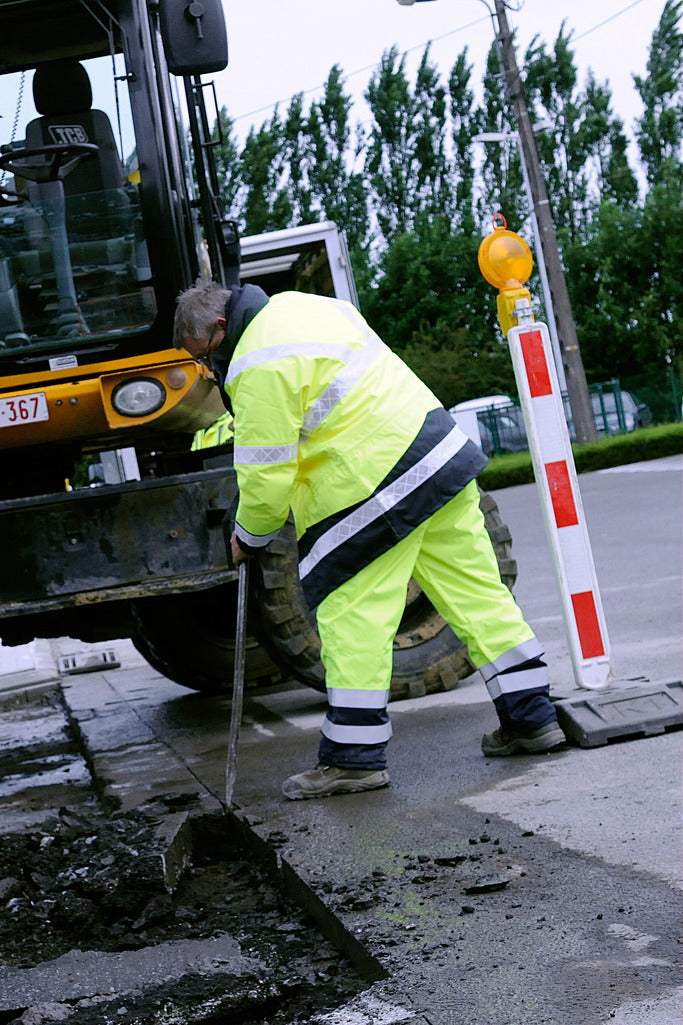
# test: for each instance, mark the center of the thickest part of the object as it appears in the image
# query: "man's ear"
(220, 323)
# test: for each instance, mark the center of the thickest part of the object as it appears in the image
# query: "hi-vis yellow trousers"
(451, 557)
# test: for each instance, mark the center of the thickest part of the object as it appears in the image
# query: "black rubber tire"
(190, 638)
(428, 656)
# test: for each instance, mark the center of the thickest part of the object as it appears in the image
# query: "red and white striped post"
(553, 462)
(565, 524)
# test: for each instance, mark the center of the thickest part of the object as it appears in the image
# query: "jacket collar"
(244, 303)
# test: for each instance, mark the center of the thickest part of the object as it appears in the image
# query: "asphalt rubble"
(155, 914)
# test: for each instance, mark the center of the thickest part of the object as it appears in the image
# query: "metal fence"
(663, 394)
(619, 407)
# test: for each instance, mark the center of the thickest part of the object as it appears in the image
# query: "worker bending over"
(331, 424)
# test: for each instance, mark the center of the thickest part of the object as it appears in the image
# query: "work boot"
(507, 740)
(327, 780)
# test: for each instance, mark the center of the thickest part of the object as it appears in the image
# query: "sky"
(281, 47)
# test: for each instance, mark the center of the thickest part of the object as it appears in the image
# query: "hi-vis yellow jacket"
(218, 433)
(331, 423)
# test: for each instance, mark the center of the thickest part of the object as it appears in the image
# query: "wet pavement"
(527, 890)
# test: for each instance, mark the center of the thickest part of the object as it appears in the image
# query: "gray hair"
(197, 310)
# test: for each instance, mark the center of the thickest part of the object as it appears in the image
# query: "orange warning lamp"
(506, 262)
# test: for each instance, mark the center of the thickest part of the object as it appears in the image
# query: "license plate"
(23, 409)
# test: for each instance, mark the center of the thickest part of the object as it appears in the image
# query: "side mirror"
(194, 36)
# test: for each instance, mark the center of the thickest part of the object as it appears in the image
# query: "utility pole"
(577, 387)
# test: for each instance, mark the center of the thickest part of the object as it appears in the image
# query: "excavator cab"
(76, 263)
(102, 222)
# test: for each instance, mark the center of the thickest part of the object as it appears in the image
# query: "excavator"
(112, 522)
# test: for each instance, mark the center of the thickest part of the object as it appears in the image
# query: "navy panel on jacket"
(382, 533)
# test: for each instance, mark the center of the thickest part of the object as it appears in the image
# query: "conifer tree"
(338, 190)
(660, 137)
(391, 145)
(226, 155)
(260, 160)
(406, 160)
(465, 121)
(660, 129)
(295, 184)
(502, 184)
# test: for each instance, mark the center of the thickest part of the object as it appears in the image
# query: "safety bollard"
(505, 261)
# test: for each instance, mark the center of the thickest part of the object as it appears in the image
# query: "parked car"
(617, 411)
(484, 403)
(502, 430)
(499, 421)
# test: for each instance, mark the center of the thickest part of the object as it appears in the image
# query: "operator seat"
(63, 96)
(99, 213)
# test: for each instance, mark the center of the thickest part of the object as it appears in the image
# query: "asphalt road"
(582, 922)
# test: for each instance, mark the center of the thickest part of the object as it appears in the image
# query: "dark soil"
(94, 882)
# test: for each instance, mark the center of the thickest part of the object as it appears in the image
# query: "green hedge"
(645, 443)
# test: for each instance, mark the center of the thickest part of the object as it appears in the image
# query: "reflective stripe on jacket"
(330, 422)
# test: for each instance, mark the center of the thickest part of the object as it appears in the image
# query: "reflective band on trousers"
(502, 677)
(356, 734)
(518, 680)
(512, 657)
(339, 697)
(383, 500)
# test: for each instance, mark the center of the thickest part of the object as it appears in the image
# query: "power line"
(360, 71)
(607, 20)
(420, 46)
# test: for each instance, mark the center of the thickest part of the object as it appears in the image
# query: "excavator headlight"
(138, 397)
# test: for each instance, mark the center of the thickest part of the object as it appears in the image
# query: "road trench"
(163, 912)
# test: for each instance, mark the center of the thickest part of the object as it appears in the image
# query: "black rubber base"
(620, 714)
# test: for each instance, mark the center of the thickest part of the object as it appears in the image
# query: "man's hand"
(238, 555)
